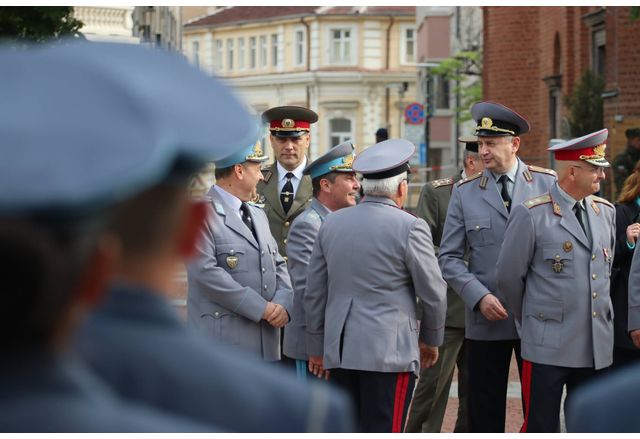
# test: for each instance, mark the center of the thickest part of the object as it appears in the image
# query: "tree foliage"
(585, 104)
(465, 68)
(635, 13)
(37, 23)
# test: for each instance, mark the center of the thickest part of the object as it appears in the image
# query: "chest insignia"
(557, 265)
(232, 261)
(567, 246)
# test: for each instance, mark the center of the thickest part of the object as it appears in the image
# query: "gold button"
(477, 227)
(594, 277)
(595, 314)
(594, 294)
(541, 316)
(285, 258)
(287, 223)
(593, 257)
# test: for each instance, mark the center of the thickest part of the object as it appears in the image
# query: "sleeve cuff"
(630, 246)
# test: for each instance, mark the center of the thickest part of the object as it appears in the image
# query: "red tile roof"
(237, 14)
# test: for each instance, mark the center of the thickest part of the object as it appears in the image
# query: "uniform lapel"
(593, 214)
(568, 219)
(491, 194)
(231, 220)
(270, 192)
(303, 194)
(520, 185)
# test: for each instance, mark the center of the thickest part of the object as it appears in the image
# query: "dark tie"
(286, 196)
(246, 218)
(577, 210)
(504, 192)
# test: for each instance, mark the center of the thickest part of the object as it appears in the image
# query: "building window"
(300, 48)
(340, 131)
(274, 50)
(598, 44)
(195, 52)
(241, 53)
(252, 52)
(442, 95)
(408, 45)
(340, 46)
(218, 55)
(263, 51)
(229, 54)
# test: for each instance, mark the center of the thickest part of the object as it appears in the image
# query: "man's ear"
(190, 228)
(95, 276)
(516, 144)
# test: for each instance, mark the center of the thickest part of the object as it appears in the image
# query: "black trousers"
(542, 386)
(381, 399)
(624, 357)
(488, 373)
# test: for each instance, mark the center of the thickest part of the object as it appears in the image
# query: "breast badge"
(558, 265)
(567, 246)
(232, 261)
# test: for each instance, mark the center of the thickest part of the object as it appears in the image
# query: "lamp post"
(428, 97)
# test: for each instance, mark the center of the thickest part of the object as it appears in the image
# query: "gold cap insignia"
(232, 261)
(567, 246)
(288, 123)
(347, 162)
(596, 153)
(257, 152)
(486, 122)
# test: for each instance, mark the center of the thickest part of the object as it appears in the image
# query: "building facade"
(106, 23)
(159, 26)
(354, 66)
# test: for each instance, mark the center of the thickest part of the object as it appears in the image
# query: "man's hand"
(428, 355)
(278, 317)
(316, 368)
(635, 336)
(268, 310)
(492, 309)
(633, 230)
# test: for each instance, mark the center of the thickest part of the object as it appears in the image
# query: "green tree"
(635, 13)
(585, 104)
(465, 68)
(37, 23)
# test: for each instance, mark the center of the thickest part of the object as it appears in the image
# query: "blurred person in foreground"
(135, 340)
(72, 136)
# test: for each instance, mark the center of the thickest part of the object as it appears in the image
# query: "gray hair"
(466, 154)
(384, 187)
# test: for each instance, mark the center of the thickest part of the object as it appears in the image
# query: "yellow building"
(354, 66)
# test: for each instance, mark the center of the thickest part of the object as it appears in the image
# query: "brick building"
(533, 56)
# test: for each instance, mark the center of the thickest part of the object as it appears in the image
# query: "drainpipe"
(387, 64)
(308, 28)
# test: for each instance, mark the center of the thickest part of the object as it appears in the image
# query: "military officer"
(432, 392)
(335, 186)
(239, 289)
(553, 273)
(476, 221)
(368, 265)
(285, 191)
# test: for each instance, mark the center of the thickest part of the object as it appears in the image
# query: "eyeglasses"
(594, 170)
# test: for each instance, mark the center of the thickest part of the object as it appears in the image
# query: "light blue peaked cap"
(92, 123)
(337, 159)
(250, 153)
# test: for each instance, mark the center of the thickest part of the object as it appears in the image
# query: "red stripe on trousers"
(526, 391)
(402, 383)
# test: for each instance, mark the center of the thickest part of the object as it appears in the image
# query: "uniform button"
(593, 257)
(557, 256)
(265, 287)
(287, 223)
(285, 258)
(477, 227)
(262, 252)
(285, 240)
(263, 269)
(216, 313)
(541, 316)
(594, 294)
(594, 277)
(232, 251)
(595, 314)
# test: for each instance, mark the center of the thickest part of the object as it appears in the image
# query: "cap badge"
(288, 123)
(257, 151)
(232, 261)
(486, 122)
(347, 162)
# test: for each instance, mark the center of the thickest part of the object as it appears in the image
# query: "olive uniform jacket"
(233, 276)
(279, 222)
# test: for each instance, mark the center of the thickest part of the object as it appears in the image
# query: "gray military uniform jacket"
(299, 247)
(280, 222)
(369, 263)
(432, 207)
(232, 277)
(556, 282)
(476, 222)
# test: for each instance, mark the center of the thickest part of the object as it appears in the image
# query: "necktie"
(504, 192)
(286, 196)
(577, 210)
(246, 218)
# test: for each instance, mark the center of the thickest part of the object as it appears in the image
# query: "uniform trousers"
(488, 371)
(623, 357)
(542, 386)
(381, 399)
(432, 391)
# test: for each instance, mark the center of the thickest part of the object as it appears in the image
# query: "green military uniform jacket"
(279, 222)
(432, 207)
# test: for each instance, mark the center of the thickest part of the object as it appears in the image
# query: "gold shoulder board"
(537, 201)
(542, 170)
(442, 182)
(601, 200)
(470, 178)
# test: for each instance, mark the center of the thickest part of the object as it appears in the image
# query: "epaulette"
(602, 200)
(266, 174)
(542, 170)
(537, 201)
(470, 178)
(442, 182)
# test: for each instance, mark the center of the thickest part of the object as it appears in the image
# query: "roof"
(235, 14)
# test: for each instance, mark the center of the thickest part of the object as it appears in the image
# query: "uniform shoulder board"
(601, 200)
(470, 178)
(537, 201)
(442, 182)
(266, 174)
(542, 170)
